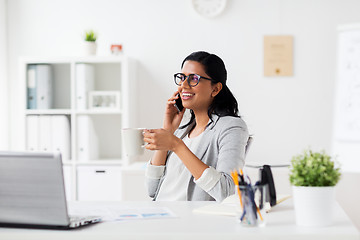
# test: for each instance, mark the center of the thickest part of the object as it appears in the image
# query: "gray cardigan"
(223, 148)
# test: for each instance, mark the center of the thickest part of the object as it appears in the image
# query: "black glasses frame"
(187, 78)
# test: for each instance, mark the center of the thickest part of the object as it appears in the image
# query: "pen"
(234, 175)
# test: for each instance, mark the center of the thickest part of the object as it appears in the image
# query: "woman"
(194, 162)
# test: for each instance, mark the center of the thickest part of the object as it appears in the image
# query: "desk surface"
(188, 225)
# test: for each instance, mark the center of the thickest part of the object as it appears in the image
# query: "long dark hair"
(224, 103)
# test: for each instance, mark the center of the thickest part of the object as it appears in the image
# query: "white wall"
(286, 114)
(4, 113)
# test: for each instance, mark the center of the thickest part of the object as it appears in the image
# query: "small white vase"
(314, 205)
(89, 48)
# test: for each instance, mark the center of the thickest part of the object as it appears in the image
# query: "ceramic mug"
(133, 141)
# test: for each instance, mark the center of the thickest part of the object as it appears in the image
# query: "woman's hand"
(163, 140)
(172, 118)
(160, 139)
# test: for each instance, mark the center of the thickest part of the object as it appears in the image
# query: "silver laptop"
(32, 192)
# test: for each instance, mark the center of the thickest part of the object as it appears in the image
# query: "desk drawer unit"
(99, 183)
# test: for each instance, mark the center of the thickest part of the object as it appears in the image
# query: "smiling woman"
(194, 161)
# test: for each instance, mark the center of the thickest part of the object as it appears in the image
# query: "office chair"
(249, 141)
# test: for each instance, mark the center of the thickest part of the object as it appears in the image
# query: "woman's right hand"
(173, 117)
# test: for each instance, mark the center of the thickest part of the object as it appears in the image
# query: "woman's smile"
(186, 95)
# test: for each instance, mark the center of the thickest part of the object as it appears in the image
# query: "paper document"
(124, 213)
(144, 213)
(230, 206)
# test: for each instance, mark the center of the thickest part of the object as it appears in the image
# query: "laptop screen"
(32, 189)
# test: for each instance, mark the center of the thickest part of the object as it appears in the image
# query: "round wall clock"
(209, 8)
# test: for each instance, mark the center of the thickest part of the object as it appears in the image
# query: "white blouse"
(175, 184)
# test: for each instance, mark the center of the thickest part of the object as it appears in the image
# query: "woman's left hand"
(160, 139)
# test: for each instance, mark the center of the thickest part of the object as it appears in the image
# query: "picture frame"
(109, 100)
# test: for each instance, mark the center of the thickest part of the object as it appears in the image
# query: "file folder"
(44, 86)
(60, 135)
(31, 87)
(84, 83)
(32, 133)
(87, 141)
(45, 143)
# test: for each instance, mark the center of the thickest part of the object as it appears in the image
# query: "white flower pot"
(314, 205)
(89, 48)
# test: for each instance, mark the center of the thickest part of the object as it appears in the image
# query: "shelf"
(48, 112)
(99, 59)
(80, 59)
(88, 135)
(98, 112)
(68, 163)
(102, 162)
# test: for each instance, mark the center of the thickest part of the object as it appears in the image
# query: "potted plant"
(90, 43)
(313, 176)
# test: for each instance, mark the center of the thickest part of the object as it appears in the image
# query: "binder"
(31, 87)
(44, 86)
(60, 135)
(32, 133)
(87, 140)
(84, 83)
(45, 143)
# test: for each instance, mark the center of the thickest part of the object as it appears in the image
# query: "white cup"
(133, 141)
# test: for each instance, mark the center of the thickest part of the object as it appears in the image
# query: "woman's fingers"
(149, 139)
(175, 94)
(174, 97)
(157, 139)
(150, 147)
(148, 135)
(171, 102)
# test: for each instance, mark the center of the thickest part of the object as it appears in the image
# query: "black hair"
(224, 103)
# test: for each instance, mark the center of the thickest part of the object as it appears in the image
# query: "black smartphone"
(178, 104)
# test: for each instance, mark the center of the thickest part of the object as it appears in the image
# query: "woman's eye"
(194, 78)
(180, 77)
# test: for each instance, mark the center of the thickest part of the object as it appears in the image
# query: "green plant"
(313, 169)
(90, 36)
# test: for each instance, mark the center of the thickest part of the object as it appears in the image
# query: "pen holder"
(253, 200)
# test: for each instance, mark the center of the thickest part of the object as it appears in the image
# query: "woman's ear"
(216, 89)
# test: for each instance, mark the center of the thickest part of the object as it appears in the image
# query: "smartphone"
(178, 104)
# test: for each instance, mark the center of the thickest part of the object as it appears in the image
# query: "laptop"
(32, 192)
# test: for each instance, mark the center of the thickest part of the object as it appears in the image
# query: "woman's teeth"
(187, 94)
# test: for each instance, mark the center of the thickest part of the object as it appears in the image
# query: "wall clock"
(209, 8)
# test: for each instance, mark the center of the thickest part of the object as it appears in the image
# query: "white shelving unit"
(100, 178)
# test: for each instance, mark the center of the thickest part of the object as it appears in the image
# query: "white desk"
(280, 225)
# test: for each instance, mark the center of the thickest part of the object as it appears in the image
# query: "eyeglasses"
(192, 79)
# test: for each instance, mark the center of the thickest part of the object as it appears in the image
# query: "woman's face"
(197, 98)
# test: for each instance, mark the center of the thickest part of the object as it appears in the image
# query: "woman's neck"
(202, 119)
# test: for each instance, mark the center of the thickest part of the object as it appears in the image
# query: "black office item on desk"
(266, 177)
(32, 192)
